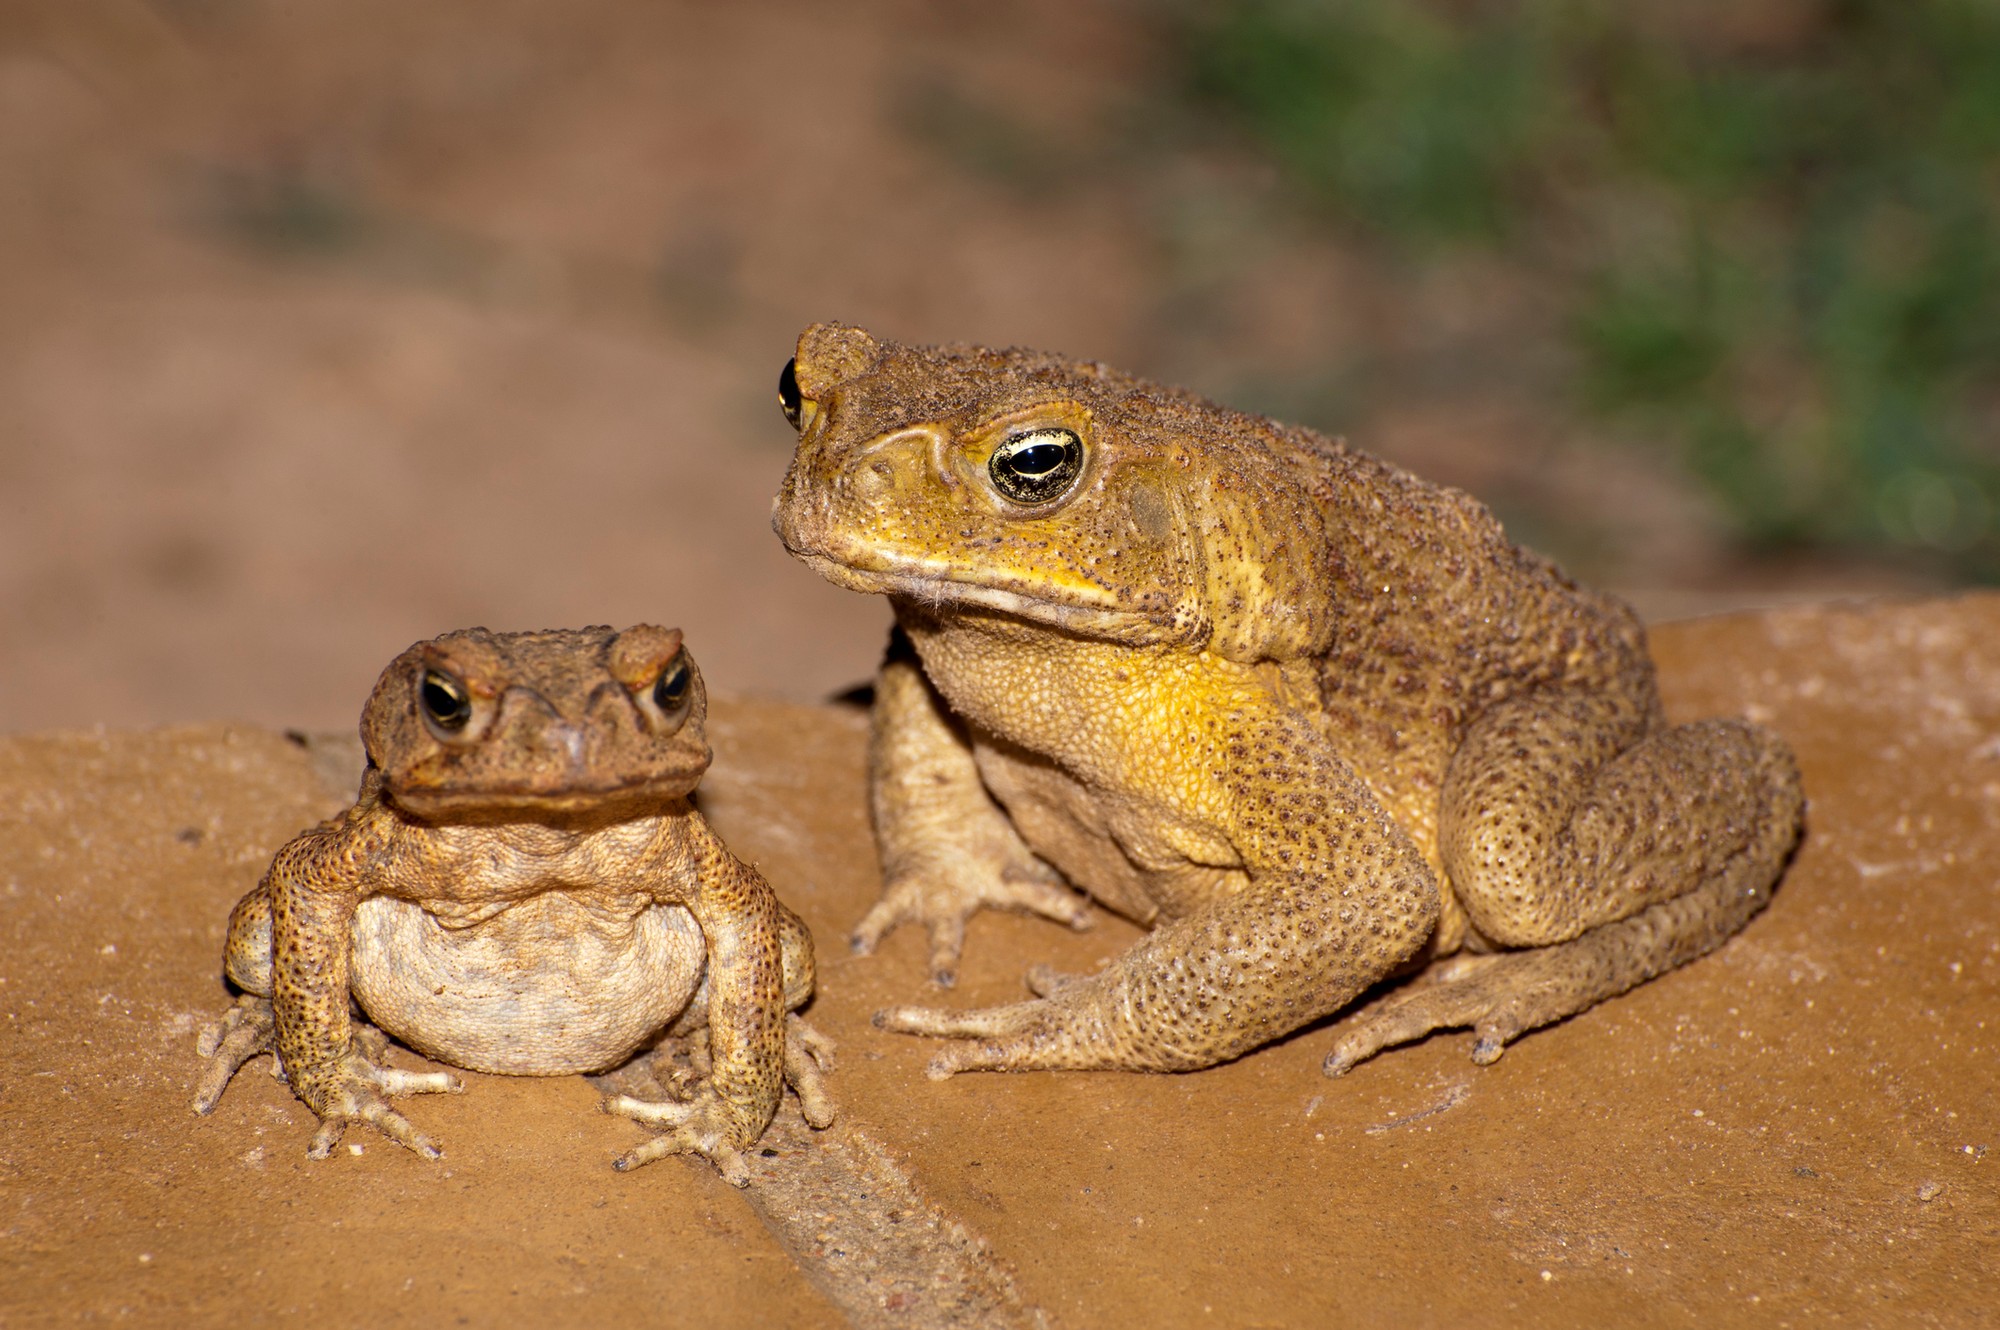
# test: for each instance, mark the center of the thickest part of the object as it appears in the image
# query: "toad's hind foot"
(808, 1057)
(1507, 995)
(249, 1028)
(673, 1069)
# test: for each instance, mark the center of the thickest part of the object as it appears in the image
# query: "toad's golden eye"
(670, 690)
(447, 701)
(789, 400)
(1037, 466)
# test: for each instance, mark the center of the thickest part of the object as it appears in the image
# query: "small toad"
(524, 887)
(1312, 720)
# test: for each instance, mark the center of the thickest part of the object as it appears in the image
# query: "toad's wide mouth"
(518, 802)
(937, 585)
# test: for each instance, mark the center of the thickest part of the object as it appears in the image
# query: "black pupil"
(1036, 461)
(1038, 467)
(446, 702)
(672, 688)
(788, 392)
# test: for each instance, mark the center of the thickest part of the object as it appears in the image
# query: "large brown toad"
(1311, 719)
(524, 887)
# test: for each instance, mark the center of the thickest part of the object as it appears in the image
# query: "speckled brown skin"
(524, 887)
(1312, 719)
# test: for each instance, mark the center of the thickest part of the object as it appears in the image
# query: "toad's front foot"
(700, 1123)
(356, 1089)
(705, 1126)
(1043, 1034)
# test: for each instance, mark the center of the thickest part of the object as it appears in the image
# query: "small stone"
(1930, 1191)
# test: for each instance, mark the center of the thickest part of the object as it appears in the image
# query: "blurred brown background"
(329, 326)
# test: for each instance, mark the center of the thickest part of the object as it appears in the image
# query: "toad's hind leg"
(1604, 848)
(250, 1027)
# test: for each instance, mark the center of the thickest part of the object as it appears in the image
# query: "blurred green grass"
(1776, 238)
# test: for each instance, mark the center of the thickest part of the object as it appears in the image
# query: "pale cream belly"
(544, 988)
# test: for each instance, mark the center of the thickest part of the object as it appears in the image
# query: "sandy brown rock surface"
(1798, 1130)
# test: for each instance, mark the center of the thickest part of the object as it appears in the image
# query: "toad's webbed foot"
(251, 1027)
